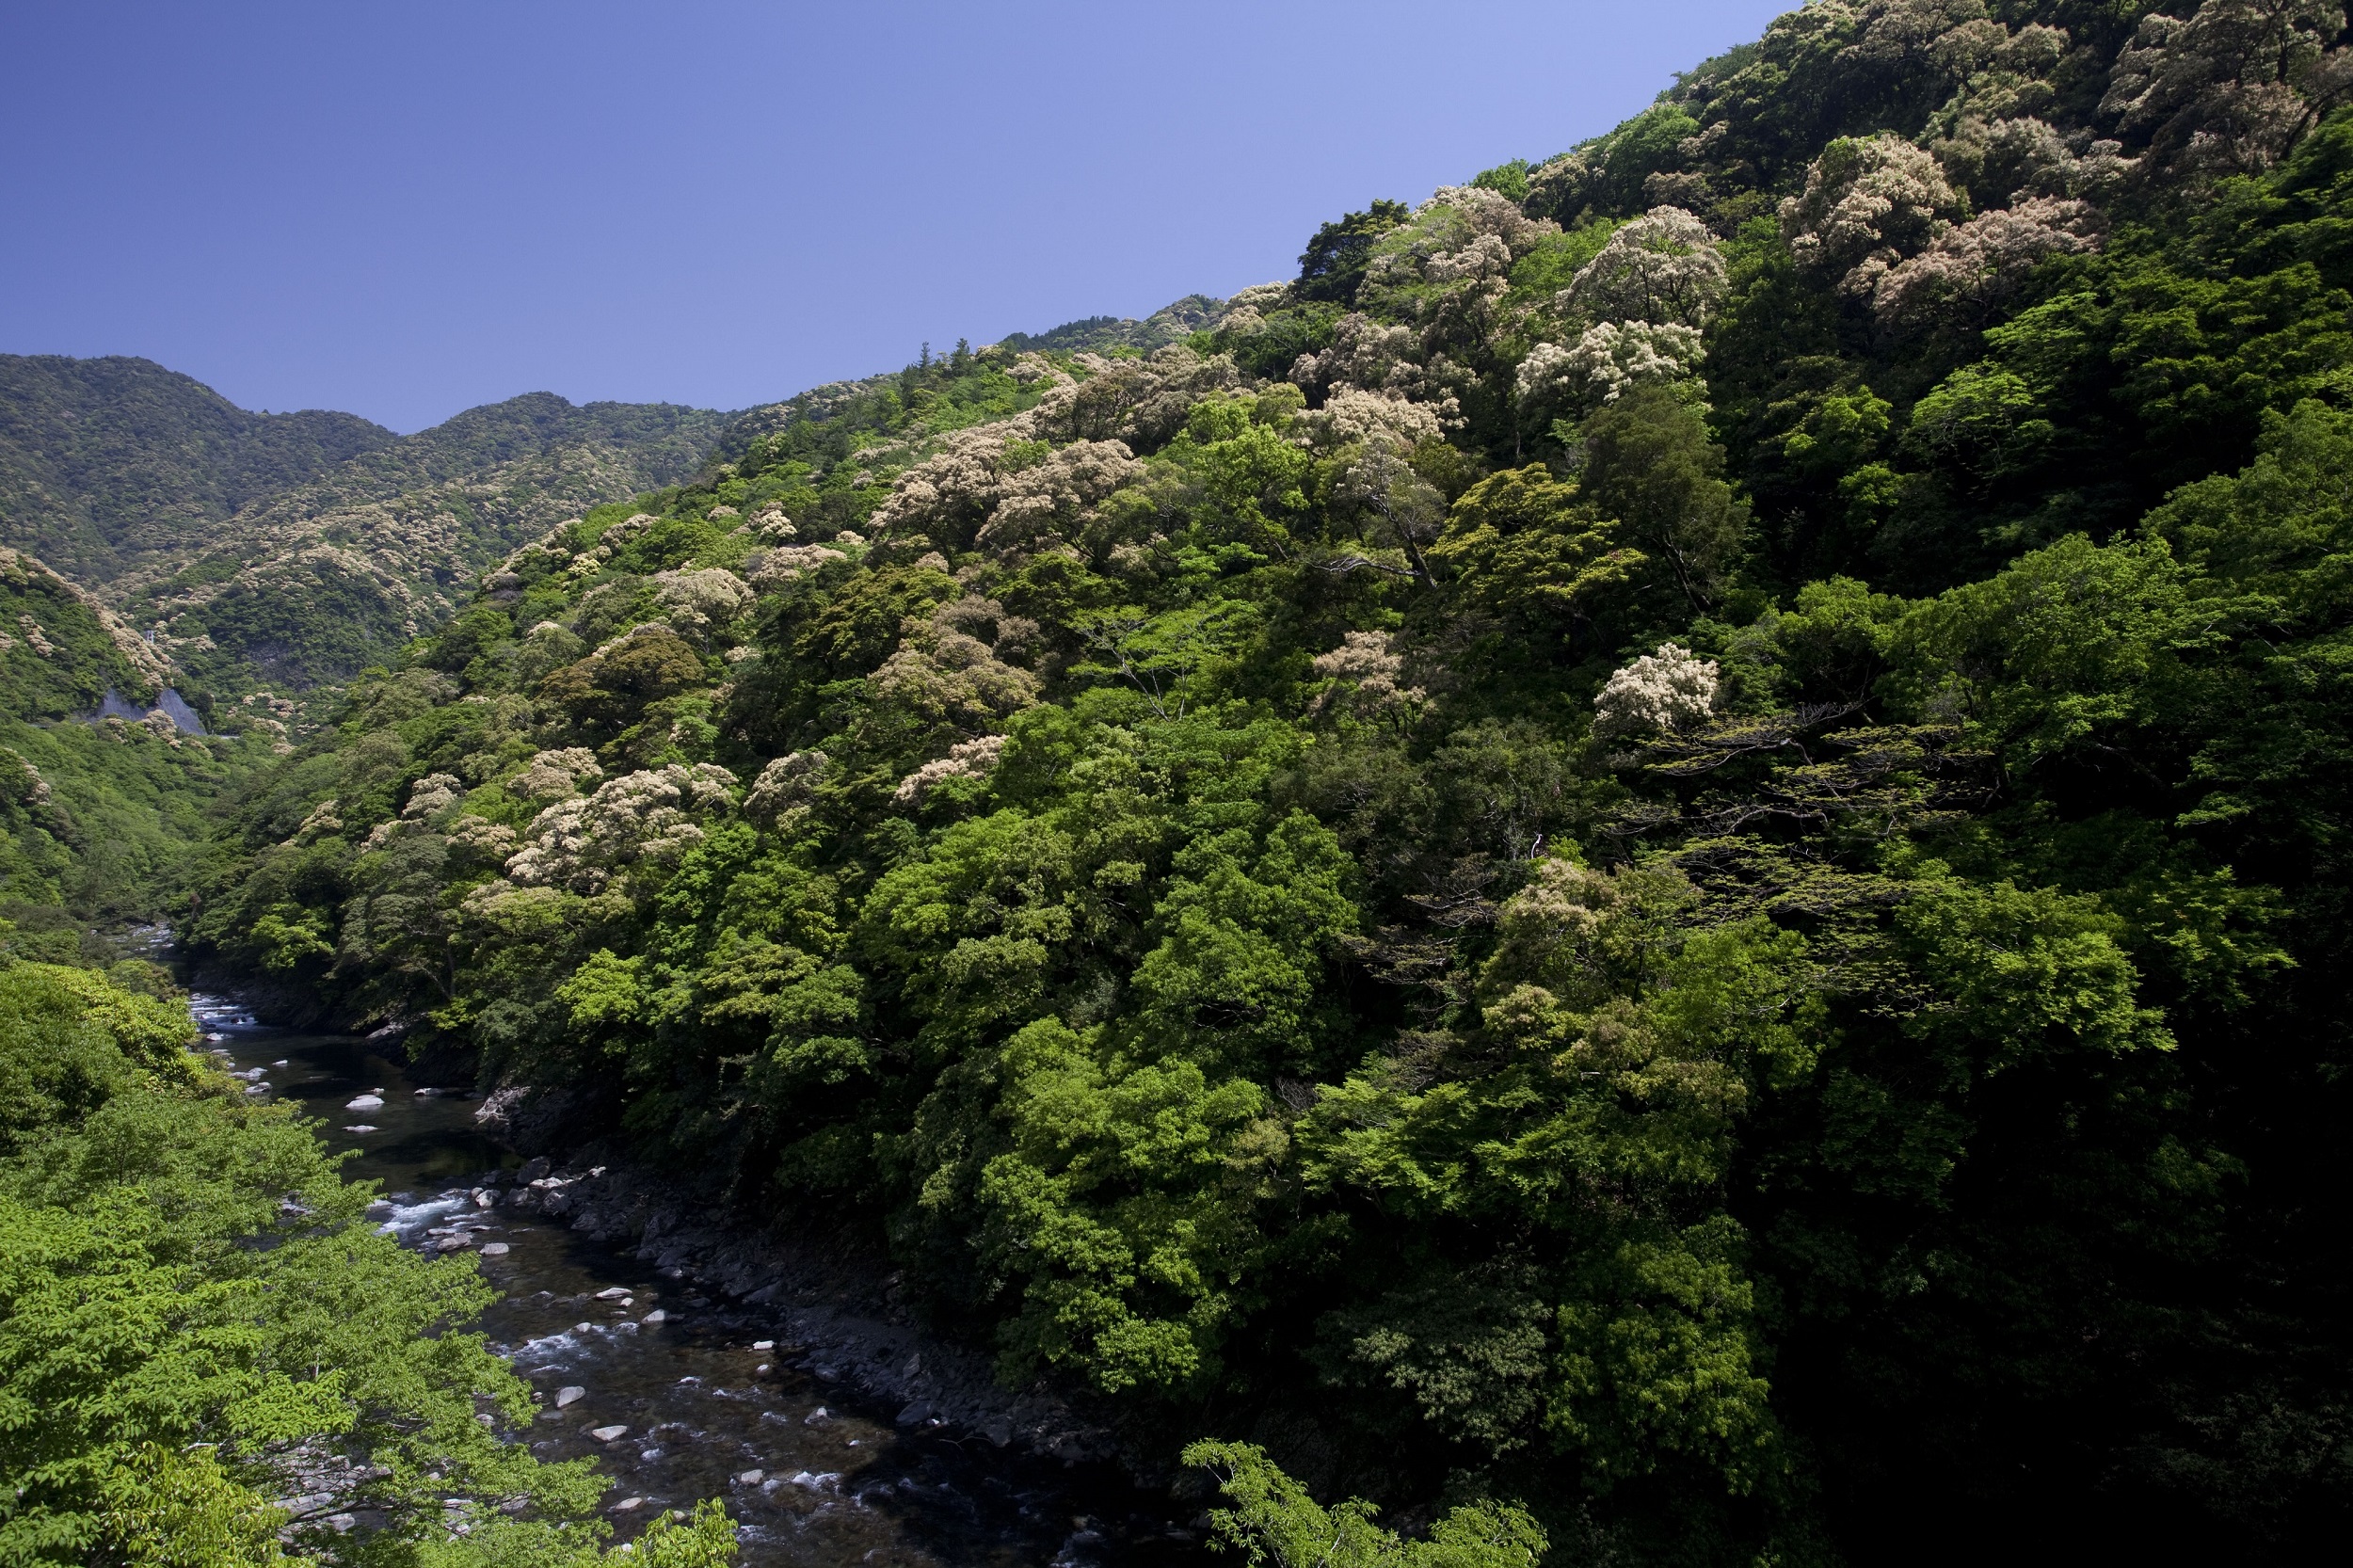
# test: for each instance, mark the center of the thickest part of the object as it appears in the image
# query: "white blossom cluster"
(944, 672)
(1137, 401)
(974, 758)
(1447, 240)
(2230, 87)
(1664, 267)
(1604, 363)
(1899, 30)
(549, 549)
(1447, 271)
(557, 775)
(637, 819)
(1038, 506)
(785, 783)
(1868, 203)
(1999, 75)
(1660, 691)
(430, 798)
(1245, 312)
(701, 601)
(1368, 663)
(480, 840)
(1352, 414)
(2017, 158)
(35, 787)
(318, 825)
(945, 497)
(1370, 356)
(771, 569)
(1562, 906)
(1974, 265)
(1002, 489)
(431, 794)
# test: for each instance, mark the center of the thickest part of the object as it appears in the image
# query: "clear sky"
(407, 209)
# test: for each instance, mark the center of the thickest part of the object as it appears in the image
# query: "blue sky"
(404, 210)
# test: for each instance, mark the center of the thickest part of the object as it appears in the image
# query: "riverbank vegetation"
(209, 1356)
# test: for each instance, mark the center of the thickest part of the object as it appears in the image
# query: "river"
(813, 1473)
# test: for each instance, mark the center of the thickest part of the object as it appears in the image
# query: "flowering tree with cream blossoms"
(1668, 689)
(1664, 267)
(1868, 203)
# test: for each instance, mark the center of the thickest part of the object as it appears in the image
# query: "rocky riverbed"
(694, 1358)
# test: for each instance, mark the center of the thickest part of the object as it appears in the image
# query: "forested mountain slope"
(102, 822)
(307, 586)
(1669, 843)
(277, 553)
(105, 462)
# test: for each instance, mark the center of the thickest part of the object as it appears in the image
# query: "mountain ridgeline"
(273, 554)
(106, 462)
(1655, 870)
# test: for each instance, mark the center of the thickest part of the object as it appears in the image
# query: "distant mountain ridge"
(1171, 323)
(287, 551)
(306, 587)
(105, 461)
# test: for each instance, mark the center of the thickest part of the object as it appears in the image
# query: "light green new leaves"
(1275, 1523)
(179, 1268)
(1125, 1200)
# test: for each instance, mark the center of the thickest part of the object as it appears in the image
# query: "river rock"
(495, 1249)
(628, 1505)
(914, 1414)
(611, 1293)
(570, 1394)
(656, 1316)
(764, 1344)
(365, 1102)
(362, 1126)
(751, 1477)
(608, 1435)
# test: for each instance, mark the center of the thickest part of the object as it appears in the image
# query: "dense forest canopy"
(1655, 870)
